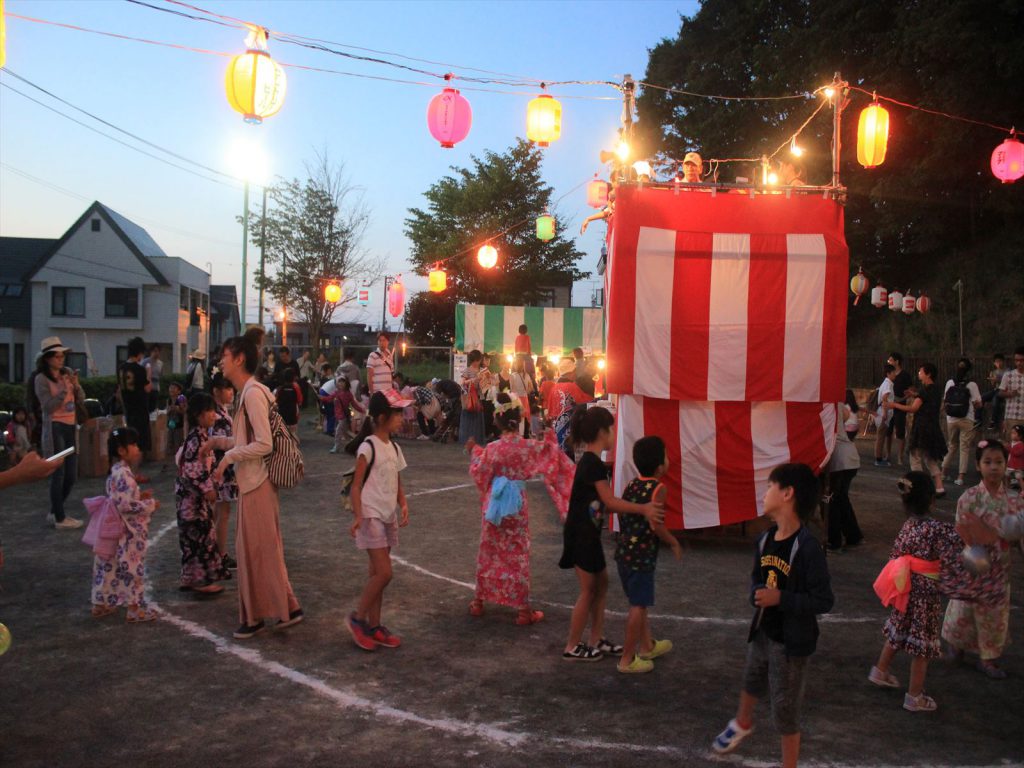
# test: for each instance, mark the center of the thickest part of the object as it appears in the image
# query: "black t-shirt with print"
(900, 384)
(775, 567)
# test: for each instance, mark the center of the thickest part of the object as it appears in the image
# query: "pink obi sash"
(105, 526)
(893, 584)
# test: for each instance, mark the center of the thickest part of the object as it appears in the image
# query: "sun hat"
(198, 354)
(51, 344)
(395, 399)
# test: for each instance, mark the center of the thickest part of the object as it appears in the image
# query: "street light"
(248, 161)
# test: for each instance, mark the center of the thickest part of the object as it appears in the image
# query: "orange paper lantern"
(597, 193)
(872, 136)
(254, 82)
(437, 281)
(543, 120)
(487, 256)
(333, 293)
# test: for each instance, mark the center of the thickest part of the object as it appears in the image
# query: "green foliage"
(911, 221)
(430, 318)
(496, 193)
(11, 396)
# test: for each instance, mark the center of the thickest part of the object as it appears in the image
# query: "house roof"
(17, 255)
(132, 235)
(224, 300)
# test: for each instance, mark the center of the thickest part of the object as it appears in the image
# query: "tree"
(314, 233)
(934, 199)
(428, 318)
(495, 200)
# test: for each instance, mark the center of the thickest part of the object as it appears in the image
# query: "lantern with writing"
(545, 227)
(1008, 160)
(879, 296)
(597, 193)
(895, 301)
(396, 298)
(923, 304)
(487, 256)
(872, 136)
(332, 293)
(437, 281)
(254, 82)
(543, 120)
(859, 285)
(449, 116)
(909, 304)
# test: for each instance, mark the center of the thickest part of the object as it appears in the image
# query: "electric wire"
(875, 95)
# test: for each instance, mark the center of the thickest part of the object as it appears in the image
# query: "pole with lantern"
(388, 280)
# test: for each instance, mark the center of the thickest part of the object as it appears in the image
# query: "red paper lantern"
(396, 298)
(1008, 160)
(923, 304)
(597, 193)
(859, 285)
(449, 117)
(879, 296)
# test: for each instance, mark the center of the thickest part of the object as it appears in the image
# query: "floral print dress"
(503, 560)
(974, 627)
(197, 535)
(227, 489)
(916, 631)
(121, 580)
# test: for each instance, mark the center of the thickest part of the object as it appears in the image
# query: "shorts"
(374, 533)
(898, 426)
(638, 585)
(770, 671)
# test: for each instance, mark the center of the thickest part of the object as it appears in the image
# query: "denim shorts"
(638, 585)
(374, 533)
(770, 671)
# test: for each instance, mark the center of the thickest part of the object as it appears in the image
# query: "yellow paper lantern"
(543, 120)
(254, 82)
(859, 285)
(333, 293)
(487, 256)
(872, 136)
(437, 281)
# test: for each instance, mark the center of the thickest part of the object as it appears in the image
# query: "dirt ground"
(79, 691)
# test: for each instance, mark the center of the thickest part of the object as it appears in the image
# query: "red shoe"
(476, 608)
(381, 636)
(360, 633)
(529, 617)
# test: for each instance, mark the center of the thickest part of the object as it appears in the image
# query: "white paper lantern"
(879, 296)
(895, 301)
(909, 304)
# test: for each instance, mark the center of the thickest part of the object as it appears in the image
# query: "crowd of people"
(526, 419)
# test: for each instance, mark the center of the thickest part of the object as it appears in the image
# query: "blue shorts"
(638, 585)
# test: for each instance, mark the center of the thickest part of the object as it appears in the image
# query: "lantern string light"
(936, 112)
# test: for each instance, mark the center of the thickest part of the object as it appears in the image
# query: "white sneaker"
(50, 519)
(730, 738)
(68, 523)
(423, 437)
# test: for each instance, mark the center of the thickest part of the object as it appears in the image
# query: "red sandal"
(527, 617)
(476, 608)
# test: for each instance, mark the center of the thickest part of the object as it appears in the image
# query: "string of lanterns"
(895, 301)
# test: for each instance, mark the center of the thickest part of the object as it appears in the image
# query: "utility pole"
(245, 249)
(263, 238)
(384, 302)
(958, 286)
(839, 86)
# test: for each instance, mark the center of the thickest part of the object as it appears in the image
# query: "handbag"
(471, 398)
(284, 462)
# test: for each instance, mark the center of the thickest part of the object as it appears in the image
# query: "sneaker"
(381, 636)
(68, 524)
(360, 633)
(608, 648)
(246, 631)
(636, 667)
(51, 521)
(423, 437)
(333, 449)
(293, 618)
(919, 703)
(660, 648)
(582, 652)
(958, 481)
(730, 738)
(229, 562)
(882, 463)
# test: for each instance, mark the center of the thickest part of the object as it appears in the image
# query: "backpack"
(284, 462)
(350, 475)
(958, 400)
(872, 405)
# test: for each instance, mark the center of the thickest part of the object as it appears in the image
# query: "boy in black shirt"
(789, 586)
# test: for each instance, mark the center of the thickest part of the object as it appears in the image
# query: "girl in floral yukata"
(195, 493)
(227, 489)
(500, 471)
(974, 627)
(121, 580)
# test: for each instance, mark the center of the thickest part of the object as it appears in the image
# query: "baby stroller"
(448, 431)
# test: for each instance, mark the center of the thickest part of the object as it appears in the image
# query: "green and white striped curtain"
(553, 330)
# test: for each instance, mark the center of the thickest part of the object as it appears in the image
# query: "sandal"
(953, 655)
(582, 652)
(608, 647)
(991, 670)
(883, 679)
(210, 588)
(138, 615)
(99, 611)
(526, 617)
(476, 608)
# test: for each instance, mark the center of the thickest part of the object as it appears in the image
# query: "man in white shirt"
(883, 419)
(1012, 392)
(960, 426)
(380, 366)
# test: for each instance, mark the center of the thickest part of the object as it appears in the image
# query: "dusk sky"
(175, 99)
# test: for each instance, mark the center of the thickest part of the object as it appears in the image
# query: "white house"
(105, 281)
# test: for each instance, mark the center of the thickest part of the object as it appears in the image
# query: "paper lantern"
(1008, 160)
(543, 120)
(449, 117)
(332, 293)
(254, 82)
(872, 136)
(879, 296)
(396, 298)
(923, 304)
(545, 227)
(895, 301)
(597, 193)
(859, 285)
(487, 256)
(909, 304)
(437, 281)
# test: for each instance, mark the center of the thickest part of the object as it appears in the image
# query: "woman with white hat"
(58, 390)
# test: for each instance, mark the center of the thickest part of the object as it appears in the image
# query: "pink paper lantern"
(597, 193)
(396, 298)
(1008, 160)
(449, 117)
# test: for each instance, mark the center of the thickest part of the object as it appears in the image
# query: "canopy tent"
(553, 330)
(727, 339)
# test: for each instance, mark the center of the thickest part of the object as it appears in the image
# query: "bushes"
(95, 387)
(11, 396)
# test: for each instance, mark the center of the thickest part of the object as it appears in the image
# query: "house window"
(67, 302)
(95, 225)
(19, 362)
(11, 289)
(184, 357)
(5, 366)
(122, 302)
(194, 308)
(206, 303)
(120, 354)
(183, 298)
